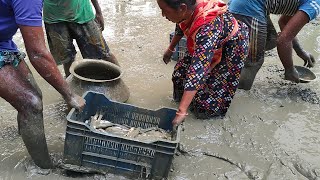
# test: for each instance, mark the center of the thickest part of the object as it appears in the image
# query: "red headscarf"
(205, 12)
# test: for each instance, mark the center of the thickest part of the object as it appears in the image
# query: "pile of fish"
(137, 133)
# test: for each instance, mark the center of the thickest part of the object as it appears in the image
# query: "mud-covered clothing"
(215, 88)
(14, 13)
(261, 36)
(78, 11)
(255, 14)
(88, 37)
(11, 58)
(73, 19)
(260, 9)
(289, 8)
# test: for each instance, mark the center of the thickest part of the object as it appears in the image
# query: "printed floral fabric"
(216, 87)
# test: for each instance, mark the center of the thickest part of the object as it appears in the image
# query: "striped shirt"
(284, 7)
(260, 9)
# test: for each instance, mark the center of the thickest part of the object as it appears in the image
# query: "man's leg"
(272, 35)
(25, 72)
(24, 96)
(61, 44)
(255, 59)
(91, 42)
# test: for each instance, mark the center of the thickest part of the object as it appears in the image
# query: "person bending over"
(208, 75)
(294, 15)
(17, 85)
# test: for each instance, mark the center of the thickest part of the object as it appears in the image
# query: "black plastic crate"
(180, 49)
(86, 147)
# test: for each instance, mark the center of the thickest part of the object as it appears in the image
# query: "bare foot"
(291, 75)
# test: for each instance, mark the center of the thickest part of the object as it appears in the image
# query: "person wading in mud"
(17, 85)
(295, 14)
(74, 19)
(208, 76)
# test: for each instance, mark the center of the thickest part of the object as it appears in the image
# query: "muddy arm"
(304, 55)
(272, 43)
(43, 62)
(99, 17)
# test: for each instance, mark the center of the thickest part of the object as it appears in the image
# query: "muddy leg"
(61, 45)
(32, 133)
(257, 36)
(91, 42)
(272, 35)
(25, 71)
(112, 59)
(248, 74)
(22, 95)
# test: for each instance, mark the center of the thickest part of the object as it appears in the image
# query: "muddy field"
(270, 132)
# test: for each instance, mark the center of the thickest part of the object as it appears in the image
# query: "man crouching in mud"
(295, 14)
(17, 85)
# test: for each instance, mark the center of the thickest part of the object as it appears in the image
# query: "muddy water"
(270, 132)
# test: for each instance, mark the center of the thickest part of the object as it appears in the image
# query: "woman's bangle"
(171, 50)
(181, 114)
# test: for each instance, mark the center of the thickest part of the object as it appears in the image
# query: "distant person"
(74, 19)
(17, 85)
(295, 14)
(208, 75)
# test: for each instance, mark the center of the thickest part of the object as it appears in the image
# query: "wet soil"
(270, 132)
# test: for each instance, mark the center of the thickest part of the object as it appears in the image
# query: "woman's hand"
(183, 107)
(167, 56)
(180, 117)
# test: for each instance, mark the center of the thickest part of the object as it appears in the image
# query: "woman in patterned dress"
(294, 15)
(208, 76)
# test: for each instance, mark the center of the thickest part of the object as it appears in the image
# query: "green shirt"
(78, 11)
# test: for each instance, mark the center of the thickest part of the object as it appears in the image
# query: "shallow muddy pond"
(270, 132)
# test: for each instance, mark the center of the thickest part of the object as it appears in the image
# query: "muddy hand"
(99, 19)
(76, 102)
(167, 56)
(291, 75)
(178, 120)
(309, 61)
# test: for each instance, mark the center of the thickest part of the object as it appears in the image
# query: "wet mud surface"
(270, 132)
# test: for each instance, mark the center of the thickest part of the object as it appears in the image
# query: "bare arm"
(290, 27)
(175, 40)
(99, 16)
(199, 67)
(43, 62)
(168, 53)
(178, 34)
(309, 60)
